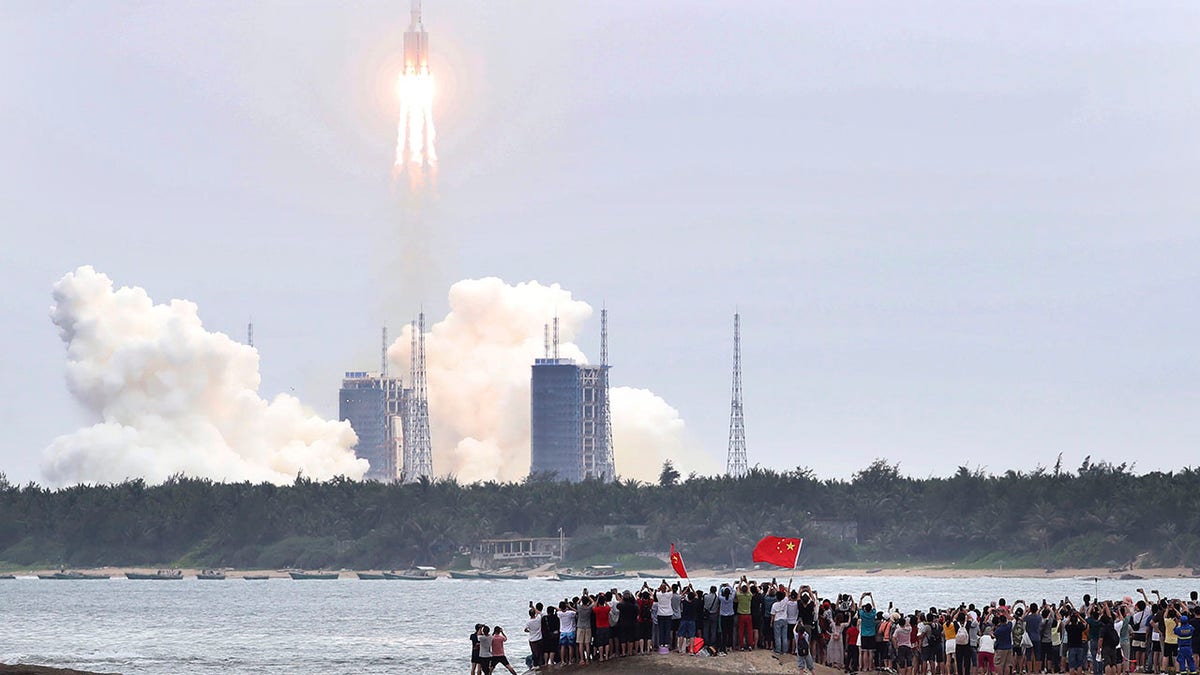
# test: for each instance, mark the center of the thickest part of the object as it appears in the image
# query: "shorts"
(675, 625)
(687, 629)
(1035, 650)
(583, 636)
(868, 642)
(929, 653)
(628, 632)
(1170, 650)
(566, 639)
(951, 647)
(645, 630)
(1137, 643)
(1076, 656)
(501, 660)
(603, 636)
(1111, 656)
(903, 656)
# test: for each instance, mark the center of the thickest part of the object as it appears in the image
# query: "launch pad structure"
(390, 419)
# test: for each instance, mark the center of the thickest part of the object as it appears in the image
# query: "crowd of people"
(1095, 637)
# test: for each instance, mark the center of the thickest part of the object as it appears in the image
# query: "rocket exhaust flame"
(416, 154)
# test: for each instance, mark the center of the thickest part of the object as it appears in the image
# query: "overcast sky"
(958, 233)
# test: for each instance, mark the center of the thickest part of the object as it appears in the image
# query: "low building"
(518, 551)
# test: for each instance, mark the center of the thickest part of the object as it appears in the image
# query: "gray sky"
(958, 233)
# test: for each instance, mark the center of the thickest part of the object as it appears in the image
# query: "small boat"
(160, 575)
(256, 577)
(371, 576)
(592, 573)
(211, 575)
(465, 574)
(8, 576)
(503, 573)
(72, 576)
(313, 576)
(415, 574)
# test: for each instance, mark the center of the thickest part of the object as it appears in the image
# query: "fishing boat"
(466, 574)
(591, 573)
(313, 576)
(256, 577)
(371, 576)
(211, 575)
(160, 575)
(415, 574)
(8, 576)
(72, 576)
(502, 573)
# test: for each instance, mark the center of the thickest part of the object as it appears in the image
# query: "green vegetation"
(1100, 514)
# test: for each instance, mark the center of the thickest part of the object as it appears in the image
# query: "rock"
(757, 661)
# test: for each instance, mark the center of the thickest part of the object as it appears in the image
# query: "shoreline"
(950, 572)
(920, 571)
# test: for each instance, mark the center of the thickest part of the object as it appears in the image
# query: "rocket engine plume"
(416, 151)
(478, 369)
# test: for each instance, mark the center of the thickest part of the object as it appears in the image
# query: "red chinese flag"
(677, 563)
(781, 551)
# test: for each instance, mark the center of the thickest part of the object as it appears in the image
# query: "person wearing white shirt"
(534, 627)
(664, 599)
(779, 621)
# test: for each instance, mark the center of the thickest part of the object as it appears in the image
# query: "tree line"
(1098, 515)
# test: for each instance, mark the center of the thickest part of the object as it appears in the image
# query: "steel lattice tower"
(605, 464)
(418, 450)
(736, 462)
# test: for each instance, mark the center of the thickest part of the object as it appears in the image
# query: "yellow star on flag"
(791, 546)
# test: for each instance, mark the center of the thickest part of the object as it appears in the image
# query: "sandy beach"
(925, 571)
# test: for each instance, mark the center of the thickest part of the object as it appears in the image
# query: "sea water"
(352, 626)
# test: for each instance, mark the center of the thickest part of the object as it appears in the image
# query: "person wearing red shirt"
(852, 646)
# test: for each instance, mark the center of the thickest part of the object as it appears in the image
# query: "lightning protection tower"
(736, 463)
(418, 455)
(606, 464)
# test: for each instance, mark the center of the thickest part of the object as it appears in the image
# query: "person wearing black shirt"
(1076, 653)
(1110, 645)
(550, 635)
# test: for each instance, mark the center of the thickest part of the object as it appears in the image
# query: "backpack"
(962, 637)
(802, 644)
(936, 638)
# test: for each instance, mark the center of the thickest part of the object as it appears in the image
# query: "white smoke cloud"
(478, 362)
(172, 398)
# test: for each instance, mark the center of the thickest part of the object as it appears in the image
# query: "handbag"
(1026, 643)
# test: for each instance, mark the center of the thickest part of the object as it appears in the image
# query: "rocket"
(416, 44)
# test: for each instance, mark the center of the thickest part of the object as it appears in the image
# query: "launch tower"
(418, 449)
